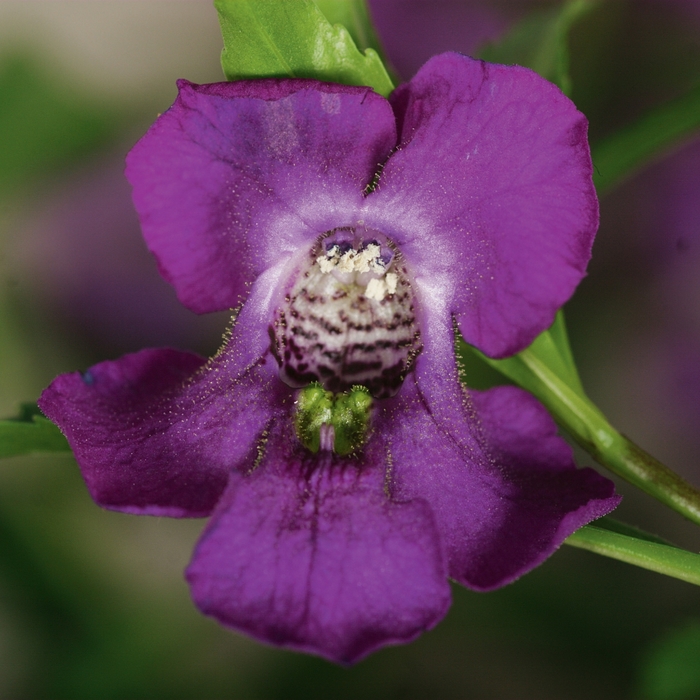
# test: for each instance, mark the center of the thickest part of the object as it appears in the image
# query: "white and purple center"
(349, 317)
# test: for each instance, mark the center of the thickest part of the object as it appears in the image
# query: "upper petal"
(236, 176)
(491, 192)
(157, 432)
(307, 551)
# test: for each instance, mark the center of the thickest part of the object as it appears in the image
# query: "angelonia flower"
(347, 472)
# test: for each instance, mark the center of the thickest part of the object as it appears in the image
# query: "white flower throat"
(349, 317)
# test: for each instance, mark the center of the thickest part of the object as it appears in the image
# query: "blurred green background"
(92, 603)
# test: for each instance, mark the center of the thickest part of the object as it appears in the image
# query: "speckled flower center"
(349, 317)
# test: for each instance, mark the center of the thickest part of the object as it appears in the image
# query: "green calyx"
(322, 416)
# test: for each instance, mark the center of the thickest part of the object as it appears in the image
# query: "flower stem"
(655, 556)
(589, 427)
(547, 370)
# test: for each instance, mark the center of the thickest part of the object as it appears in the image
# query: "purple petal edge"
(111, 418)
(550, 497)
(235, 177)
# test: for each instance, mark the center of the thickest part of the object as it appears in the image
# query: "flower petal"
(506, 505)
(502, 484)
(157, 432)
(308, 552)
(236, 176)
(550, 498)
(491, 192)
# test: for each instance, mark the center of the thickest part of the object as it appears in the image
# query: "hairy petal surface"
(308, 552)
(157, 432)
(549, 496)
(234, 177)
(490, 189)
(502, 484)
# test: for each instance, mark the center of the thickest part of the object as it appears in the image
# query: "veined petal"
(491, 190)
(546, 498)
(235, 177)
(506, 504)
(308, 552)
(502, 484)
(157, 432)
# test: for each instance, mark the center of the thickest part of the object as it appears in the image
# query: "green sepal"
(613, 525)
(541, 42)
(354, 16)
(30, 432)
(283, 39)
(551, 348)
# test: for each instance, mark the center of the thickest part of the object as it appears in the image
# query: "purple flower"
(354, 232)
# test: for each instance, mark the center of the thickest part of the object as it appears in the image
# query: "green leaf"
(540, 42)
(654, 556)
(552, 348)
(30, 432)
(285, 39)
(671, 670)
(625, 152)
(354, 16)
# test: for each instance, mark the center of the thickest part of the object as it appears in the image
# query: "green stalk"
(654, 556)
(547, 369)
(589, 427)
